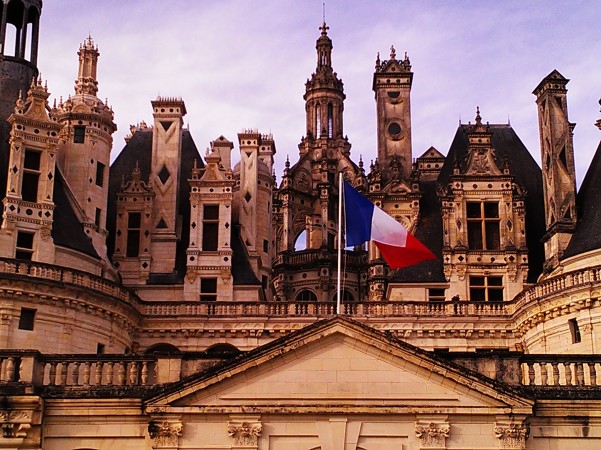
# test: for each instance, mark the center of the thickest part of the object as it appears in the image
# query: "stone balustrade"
(81, 372)
(89, 371)
(65, 275)
(352, 259)
(561, 370)
(323, 309)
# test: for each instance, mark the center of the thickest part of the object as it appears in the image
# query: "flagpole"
(338, 293)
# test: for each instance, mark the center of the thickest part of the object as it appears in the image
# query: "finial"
(598, 122)
(361, 161)
(324, 12)
(378, 60)
(392, 52)
(287, 162)
(478, 118)
(324, 29)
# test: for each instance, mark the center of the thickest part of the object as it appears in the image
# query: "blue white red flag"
(365, 222)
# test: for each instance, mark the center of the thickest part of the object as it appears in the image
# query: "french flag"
(365, 222)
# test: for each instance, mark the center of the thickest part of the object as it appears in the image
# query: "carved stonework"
(165, 434)
(512, 436)
(245, 433)
(15, 423)
(432, 435)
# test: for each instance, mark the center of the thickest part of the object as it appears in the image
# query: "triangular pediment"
(338, 364)
(431, 153)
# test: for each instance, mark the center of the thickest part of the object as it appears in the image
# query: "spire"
(324, 48)
(88, 61)
(598, 122)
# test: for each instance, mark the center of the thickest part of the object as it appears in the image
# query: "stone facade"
(174, 301)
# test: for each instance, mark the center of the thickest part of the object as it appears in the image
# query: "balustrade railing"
(561, 370)
(66, 275)
(88, 371)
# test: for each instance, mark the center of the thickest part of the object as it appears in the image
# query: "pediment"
(339, 365)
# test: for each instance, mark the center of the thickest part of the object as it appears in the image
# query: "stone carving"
(302, 182)
(512, 436)
(13, 423)
(165, 434)
(245, 433)
(433, 434)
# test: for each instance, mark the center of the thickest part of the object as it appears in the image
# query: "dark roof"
(508, 147)
(588, 228)
(67, 230)
(429, 233)
(241, 269)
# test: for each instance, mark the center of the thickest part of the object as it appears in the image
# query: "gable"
(340, 369)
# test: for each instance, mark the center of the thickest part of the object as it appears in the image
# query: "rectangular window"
(99, 174)
(208, 289)
(210, 228)
(436, 295)
(100, 349)
(79, 134)
(483, 225)
(24, 247)
(97, 217)
(264, 282)
(27, 319)
(265, 245)
(486, 289)
(134, 221)
(574, 331)
(31, 176)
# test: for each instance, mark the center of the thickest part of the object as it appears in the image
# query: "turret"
(392, 86)
(86, 143)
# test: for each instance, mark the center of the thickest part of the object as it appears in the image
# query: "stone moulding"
(432, 435)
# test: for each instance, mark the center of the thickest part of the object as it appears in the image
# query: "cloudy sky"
(243, 64)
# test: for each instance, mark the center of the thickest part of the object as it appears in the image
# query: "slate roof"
(588, 227)
(241, 269)
(527, 174)
(67, 230)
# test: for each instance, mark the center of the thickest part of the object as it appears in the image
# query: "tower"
(557, 156)
(324, 95)
(392, 86)
(86, 142)
(165, 175)
(17, 68)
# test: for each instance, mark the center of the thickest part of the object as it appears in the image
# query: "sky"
(240, 64)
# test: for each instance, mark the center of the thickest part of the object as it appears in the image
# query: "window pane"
(24, 240)
(29, 189)
(495, 295)
(477, 294)
(134, 220)
(491, 210)
(133, 243)
(474, 235)
(26, 320)
(495, 281)
(23, 254)
(211, 212)
(493, 239)
(208, 285)
(32, 160)
(79, 134)
(476, 281)
(210, 234)
(473, 210)
(99, 174)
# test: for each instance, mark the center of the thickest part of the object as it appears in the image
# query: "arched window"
(347, 296)
(306, 296)
(330, 121)
(162, 348)
(222, 349)
(300, 243)
(318, 121)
